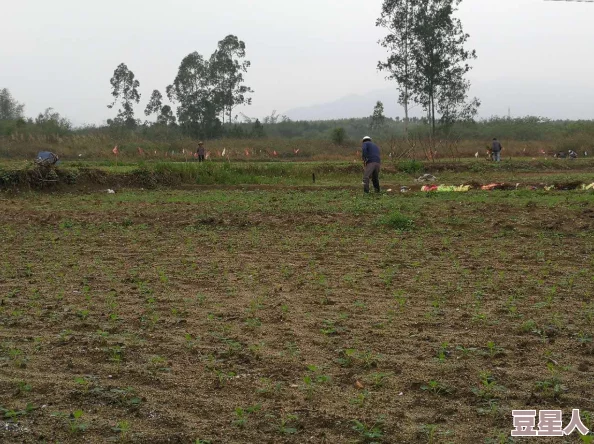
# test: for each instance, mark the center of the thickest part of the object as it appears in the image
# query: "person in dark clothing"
(201, 152)
(496, 150)
(371, 162)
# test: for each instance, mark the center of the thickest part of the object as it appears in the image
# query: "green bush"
(411, 167)
(338, 136)
(397, 221)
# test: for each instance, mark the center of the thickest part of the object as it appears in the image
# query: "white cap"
(366, 138)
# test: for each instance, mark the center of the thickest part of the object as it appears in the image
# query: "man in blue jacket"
(372, 162)
(496, 149)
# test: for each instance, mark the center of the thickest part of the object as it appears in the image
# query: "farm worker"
(496, 149)
(371, 163)
(201, 152)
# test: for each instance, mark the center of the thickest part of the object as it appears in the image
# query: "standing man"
(496, 150)
(371, 162)
(200, 151)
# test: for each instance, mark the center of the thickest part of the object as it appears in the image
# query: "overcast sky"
(533, 56)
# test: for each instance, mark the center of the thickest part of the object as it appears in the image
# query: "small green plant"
(18, 358)
(83, 314)
(313, 379)
(369, 432)
(552, 387)
(430, 431)
(465, 351)
(378, 379)
(437, 388)
(400, 299)
(241, 414)
(24, 387)
(360, 399)
(268, 388)
(490, 408)
(501, 438)
(12, 415)
(201, 298)
(397, 221)
(123, 428)
(488, 388)
(292, 349)
(83, 383)
(116, 354)
(493, 350)
(584, 338)
(360, 304)
(528, 326)
(253, 323)
(76, 424)
(331, 327)
(351, 356)
(443, 352)
(191, 341)
(223, 377)
(163, 277)
(288, 424)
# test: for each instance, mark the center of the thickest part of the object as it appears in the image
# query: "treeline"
(204, 93)
(527, 128)
(50, 127)
(53, 126)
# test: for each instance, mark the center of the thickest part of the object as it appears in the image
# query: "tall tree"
(378, 118)
(125, 88)
(193, 90)
(227, 66)
(398, 18)
(155, 106)
(155, 103)
(441, 62)
(10, 109)
(427, 58)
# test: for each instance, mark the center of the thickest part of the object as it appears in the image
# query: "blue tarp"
(47, 157)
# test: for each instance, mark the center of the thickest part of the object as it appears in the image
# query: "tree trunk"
(406, 66)
(406, 112)
(432, 114)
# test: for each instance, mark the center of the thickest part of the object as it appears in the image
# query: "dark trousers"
(200, 157)
(371, 171)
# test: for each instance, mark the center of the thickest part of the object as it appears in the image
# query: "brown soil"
(107, 291)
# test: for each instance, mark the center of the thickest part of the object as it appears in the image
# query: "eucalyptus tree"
(125, 89)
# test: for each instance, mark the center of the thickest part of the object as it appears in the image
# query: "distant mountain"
(350, 106)
(556, 99)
